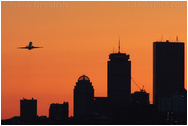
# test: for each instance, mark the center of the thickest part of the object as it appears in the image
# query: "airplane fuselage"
(30, 45)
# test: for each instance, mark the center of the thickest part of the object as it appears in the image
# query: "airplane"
(29, 47)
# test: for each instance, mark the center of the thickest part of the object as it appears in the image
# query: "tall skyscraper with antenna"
(119, 79)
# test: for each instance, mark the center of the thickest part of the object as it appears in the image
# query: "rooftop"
(83, 77)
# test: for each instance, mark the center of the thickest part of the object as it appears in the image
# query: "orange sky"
(77, 38)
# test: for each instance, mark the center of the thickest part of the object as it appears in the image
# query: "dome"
(83, 77)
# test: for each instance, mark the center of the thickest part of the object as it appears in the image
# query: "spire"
(119, 45)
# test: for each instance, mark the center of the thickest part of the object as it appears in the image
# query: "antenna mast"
(119, 45)
(142, 90)
(177, 38)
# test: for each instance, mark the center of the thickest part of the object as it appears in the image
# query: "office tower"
(28, 108)
(168, 69)
(59, 111)
(83, 97)
(140, 97)
(119, 79)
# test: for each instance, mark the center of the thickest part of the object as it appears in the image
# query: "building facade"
(101, 106)
(168, 69)
(140, 97)
(119, 80)
(28, 108)
(59, 111)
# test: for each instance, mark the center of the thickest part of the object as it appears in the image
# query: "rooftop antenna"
(119, 45)
(142, 90)
(177, 38)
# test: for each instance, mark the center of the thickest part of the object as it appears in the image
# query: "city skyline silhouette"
(121, 106)
(77, 45)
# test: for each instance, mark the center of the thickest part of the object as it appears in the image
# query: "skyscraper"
(119, 79)
(168, 69)
(83, 97)
(28, 108)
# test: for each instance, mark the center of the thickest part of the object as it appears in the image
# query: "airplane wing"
(36, 47)
(22, 47)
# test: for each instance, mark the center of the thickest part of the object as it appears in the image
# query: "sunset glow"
(77, 38)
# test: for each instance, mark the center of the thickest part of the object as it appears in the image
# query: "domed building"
(83, 97)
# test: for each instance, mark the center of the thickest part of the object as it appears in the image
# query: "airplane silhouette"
(29, 47)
